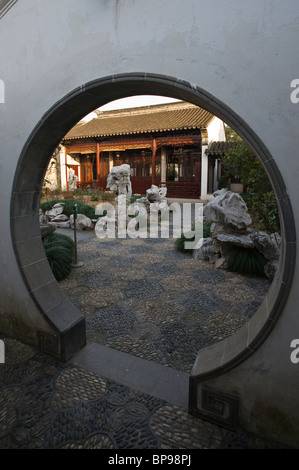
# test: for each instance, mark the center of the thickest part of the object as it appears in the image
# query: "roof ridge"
(149, 108)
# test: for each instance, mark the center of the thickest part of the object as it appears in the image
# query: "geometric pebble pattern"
(130, 284)
(64, 407)
(168, 308)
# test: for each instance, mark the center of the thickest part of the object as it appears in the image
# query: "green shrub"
(241, 162)
(68, 207)
(223, 182)
(264, 210)
(59, 250)
(247, 261)
(247, 198)
(107, 196)
(180, 242)
(47, 205)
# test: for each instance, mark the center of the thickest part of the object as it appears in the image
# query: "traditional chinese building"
(163, 144)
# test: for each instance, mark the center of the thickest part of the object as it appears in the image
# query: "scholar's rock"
(82, 222)
(230, 228)
(229, 211)
(56, 210)
(155, 194)
(119, 181)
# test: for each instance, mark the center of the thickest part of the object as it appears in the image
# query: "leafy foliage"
(223, 182)
(60, 251)
(240, 162)
(264, 211)
(247, 261)
(107, 196)
(231, 135)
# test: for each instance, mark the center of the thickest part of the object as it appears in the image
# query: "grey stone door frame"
(54, 306)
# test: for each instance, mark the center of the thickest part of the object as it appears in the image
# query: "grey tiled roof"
(167, 117)
(219, 149)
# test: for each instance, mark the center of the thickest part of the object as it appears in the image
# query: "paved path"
(48, 405)
(145, 298)
(145, 302)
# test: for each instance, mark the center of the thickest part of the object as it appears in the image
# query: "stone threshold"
(139, 374)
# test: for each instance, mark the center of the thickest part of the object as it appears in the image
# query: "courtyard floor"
(143, 298)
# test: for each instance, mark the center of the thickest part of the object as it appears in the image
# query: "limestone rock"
(47, 229)
(229, 211)
(65, 224)
(119, 181)
(243, 240)
(142, 201)
(230, 227)
(60, 218)
(154, 202)
(56, 210)
(82, 222)
(269, 246)
(221, 263)
(155, 194)
(43, 219)
(206, 250)
(72, 179)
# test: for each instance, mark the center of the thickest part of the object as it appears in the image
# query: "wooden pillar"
(65, 160)
(98, 163)
(163, 165)
(154, 151)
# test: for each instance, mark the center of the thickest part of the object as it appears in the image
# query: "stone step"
(139, 374)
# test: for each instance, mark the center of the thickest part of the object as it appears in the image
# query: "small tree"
(231, 135)
(240, 162)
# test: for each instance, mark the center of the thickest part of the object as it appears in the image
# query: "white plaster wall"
(216, 131)
(70, 161)
(204, 172)
(244, 53)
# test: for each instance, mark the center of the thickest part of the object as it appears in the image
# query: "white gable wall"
(216, 131)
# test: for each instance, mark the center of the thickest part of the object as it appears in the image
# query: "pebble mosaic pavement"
(144, 298)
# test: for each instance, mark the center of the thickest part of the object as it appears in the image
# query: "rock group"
(230, 227)
(54, 218)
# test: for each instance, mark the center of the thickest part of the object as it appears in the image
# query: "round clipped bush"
(60, 250)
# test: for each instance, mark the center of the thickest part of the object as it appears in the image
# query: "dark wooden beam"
(154, 150)
(98, 162)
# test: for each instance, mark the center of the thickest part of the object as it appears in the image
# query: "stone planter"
(237, 187)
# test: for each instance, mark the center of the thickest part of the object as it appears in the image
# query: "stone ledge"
(25, 228)
(38, 274)
(30, 251)
(209, 359)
